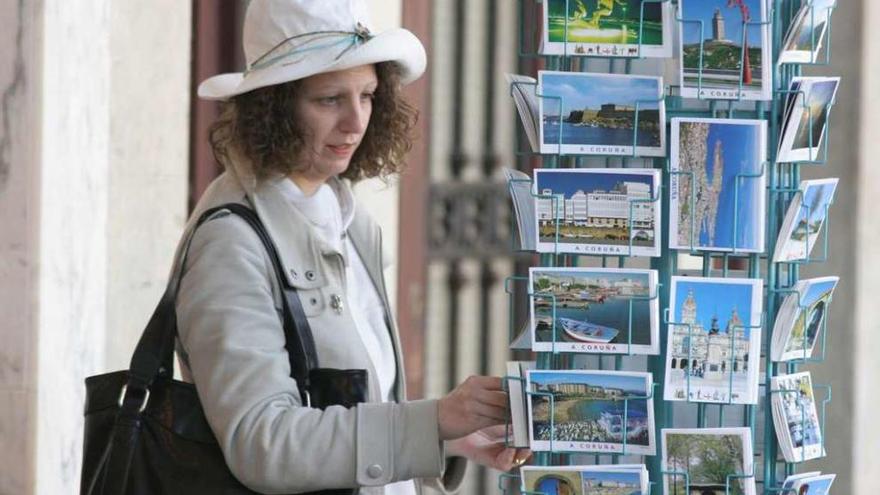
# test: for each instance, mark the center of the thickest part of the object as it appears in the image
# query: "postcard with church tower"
(718, 174)
(714, 341)
(725, 50)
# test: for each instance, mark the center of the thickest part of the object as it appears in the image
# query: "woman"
(319, 105)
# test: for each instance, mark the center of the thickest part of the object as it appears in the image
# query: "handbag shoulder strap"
(154, 352)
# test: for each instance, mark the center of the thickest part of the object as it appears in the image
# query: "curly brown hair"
(261, 124)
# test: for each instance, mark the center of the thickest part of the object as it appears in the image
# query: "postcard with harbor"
(591, 479)
(804, 125)
(598, 211)
(714, 340)
(803, 220)
(608, 28)
(717, 184)
(601, 114)
(725, 50)
(596, 310)
(707, 460)
(591, 411)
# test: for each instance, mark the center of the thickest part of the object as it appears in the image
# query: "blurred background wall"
(102, 151)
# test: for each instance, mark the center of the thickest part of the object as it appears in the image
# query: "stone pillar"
(93, 172)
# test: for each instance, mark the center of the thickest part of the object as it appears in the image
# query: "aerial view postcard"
(707, 461)
(803, 220)
(717, 184)
(801, 318)
(601, 114)
(596, 310)
(607, 28)
(598, 211)
(591, 411)
(725, 49)
(714, 340)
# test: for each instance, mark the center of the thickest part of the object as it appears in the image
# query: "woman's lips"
(341, 149)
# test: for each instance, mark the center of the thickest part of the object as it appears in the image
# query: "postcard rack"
(779, 278)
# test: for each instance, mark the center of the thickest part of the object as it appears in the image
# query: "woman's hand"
(476, 403)
(487, 447)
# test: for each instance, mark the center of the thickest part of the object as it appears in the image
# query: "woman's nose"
(355, 117)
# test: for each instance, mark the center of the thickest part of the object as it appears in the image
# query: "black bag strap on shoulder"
(154, 354)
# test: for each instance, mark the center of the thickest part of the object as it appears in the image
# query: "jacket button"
(375, 471)
(336, 303)
(310, 275)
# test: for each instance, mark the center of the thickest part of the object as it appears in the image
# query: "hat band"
(350, 39)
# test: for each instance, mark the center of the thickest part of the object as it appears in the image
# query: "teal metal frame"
(779, 278)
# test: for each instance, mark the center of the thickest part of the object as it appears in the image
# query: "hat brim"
(394, 45)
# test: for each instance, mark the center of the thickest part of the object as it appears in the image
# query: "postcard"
(807, 32)
(523, 90)
(717, 184)
(596, 310)
(795, 417)
(516, 384)
(607, 28)
(804, 127)
(804, 219)
(618, 479)
(732, 42)
(811, 484)
(801, 318)
(601, 114)
(716, 460)
(598, 211)
(592, 411)
(519, 185)
(714, 340)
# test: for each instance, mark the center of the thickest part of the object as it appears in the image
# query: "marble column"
(93, 173)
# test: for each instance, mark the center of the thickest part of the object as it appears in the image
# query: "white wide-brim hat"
(286, 40)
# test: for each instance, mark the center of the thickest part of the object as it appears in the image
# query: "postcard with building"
(804, 219)
(607, 28)
(707, 460)
(806, 34)
(717, 184)
(618, 479)
(591, 411)
(714, 340)
(601, 114)
(807, 118)
(594, 310)
(598, 211)
(795, 417)
(731, 39)
(801, 319)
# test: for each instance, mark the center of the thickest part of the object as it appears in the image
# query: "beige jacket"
(231, 345)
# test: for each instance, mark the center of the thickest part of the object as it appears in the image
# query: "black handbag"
(146, 433)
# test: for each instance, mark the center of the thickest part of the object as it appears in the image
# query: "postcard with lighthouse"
(718, 173)
(714, 340)
(725, 49)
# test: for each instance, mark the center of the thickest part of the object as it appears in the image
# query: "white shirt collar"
(330, 209)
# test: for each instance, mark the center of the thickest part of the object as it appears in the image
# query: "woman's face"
(334, 109)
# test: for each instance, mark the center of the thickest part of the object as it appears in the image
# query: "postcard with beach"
(803, 220)
(807, 118)
(806, 33)
(598, 211)
(601, 114)
(707, 460)
(596, 310)
(717, 184)
(617, 479)
(731, 38)
(608, 28)
(714, 340)
(591, 411)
